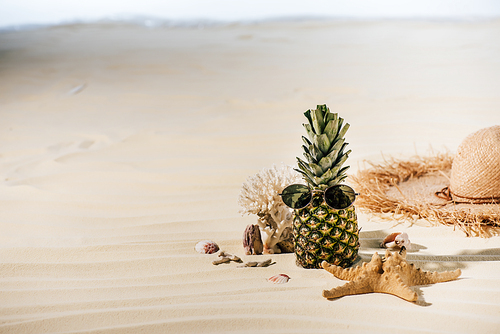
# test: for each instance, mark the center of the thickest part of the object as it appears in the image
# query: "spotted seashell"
(206, 247)
(279, 279)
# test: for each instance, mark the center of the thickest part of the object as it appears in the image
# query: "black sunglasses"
(338, 197)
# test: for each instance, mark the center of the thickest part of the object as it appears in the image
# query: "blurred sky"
(23, 12)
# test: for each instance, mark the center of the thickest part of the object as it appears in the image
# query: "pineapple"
(322, 233)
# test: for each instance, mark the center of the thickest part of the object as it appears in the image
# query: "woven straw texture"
(475, 173)
(405, 189)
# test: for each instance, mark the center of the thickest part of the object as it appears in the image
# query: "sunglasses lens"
(340, 196)
(296, 196)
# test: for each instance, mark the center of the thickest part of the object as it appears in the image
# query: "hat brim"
(407, 190)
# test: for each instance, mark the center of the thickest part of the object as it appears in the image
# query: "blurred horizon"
(21, 13)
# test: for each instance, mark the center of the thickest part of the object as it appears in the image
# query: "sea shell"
(206, 247)
(279, 279)
(396, 240)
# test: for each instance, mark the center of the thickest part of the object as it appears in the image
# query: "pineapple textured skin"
(325, 234)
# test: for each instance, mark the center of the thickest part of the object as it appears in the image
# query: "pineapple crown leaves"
(324, 148)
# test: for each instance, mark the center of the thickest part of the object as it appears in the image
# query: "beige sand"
(121, 147)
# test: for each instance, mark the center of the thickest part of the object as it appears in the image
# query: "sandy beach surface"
(123, 146)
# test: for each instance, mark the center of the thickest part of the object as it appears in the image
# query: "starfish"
(392, 275)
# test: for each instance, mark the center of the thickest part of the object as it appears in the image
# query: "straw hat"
(463, 191)
(475, 173)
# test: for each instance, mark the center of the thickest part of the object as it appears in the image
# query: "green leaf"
(338, 165)
(316, 152)
(310, 132)
(323, 143)
(333, 155)
(325, 112)
(335, 170)
(335, 151)
(331, 129)
(306, 141)
(309, 157)
(342, 172)
(326, 163)
(318, 171)
(321, 107)
(304, 166)
(317, 121)
(330, 117)
(317, 180)
(338, 145)
(337, 135)
(341, 151)
(342, 159)
(336, 180)
(308, 116)
(308, 179)
(306, 150)
(326, 177)
(344, 130)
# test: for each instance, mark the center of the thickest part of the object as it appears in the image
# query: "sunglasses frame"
(312, 191)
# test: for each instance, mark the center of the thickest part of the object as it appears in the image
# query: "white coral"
(260, 196)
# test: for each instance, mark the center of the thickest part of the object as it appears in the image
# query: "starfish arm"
(412, 275)
(422, 277)
(390, 282)
(348, 274)
(359, 286)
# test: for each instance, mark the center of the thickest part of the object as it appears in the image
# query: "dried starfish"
(393, 275)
